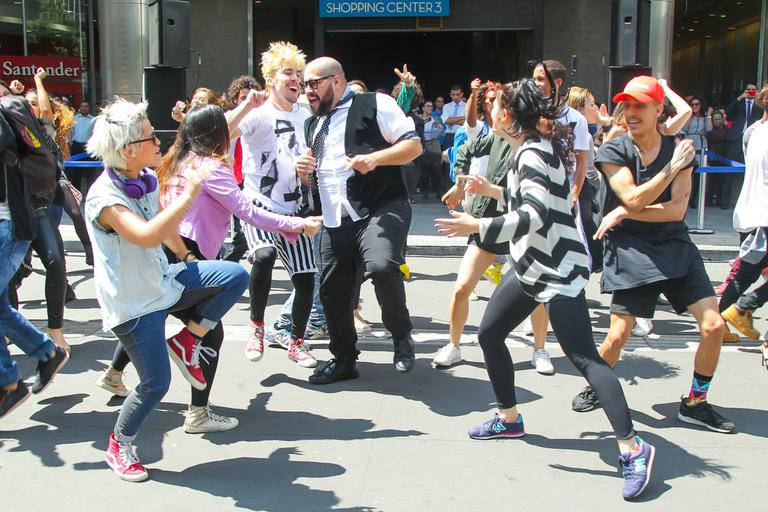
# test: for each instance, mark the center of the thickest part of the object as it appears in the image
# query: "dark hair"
(527, 106)
(360, 83)
(238, 84)
(418, 96)
(702, 105)
(456, 87)
(555, 67)
(482, 94)
(203, 132)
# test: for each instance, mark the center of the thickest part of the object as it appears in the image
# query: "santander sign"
(17, 67)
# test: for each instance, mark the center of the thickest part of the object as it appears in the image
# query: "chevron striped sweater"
(549, 256)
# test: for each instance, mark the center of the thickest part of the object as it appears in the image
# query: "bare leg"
(473, 264)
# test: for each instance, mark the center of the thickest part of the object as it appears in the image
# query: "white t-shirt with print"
(272, 139)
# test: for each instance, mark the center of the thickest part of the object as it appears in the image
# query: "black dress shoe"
(405, 354)
(333, 371)
(46, 370)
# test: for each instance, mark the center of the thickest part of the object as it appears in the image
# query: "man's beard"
(324, 104)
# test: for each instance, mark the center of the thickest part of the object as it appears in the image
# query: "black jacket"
(14, 190)
(737, 112)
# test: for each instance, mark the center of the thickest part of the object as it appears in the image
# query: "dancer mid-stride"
(551, 267)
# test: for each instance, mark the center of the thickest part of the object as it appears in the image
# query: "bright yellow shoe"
(741, 321)
(406, 271)
(493, 273)
(730, 337)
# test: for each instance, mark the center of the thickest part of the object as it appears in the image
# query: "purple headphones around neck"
(133, 187)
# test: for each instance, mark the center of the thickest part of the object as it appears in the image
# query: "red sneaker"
(298, 352)
(123, 461)
(182, 349)
(254, 347)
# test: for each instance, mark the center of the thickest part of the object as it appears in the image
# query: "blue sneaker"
(496, 428)
(636, 469)
(278, 337)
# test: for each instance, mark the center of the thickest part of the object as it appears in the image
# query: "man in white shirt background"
(454, 114)
(366, 212)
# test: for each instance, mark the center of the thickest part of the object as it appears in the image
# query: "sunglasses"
(315, 82)
(153, 137)
(695, 104)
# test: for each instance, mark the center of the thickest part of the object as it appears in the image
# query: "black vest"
(366, 192)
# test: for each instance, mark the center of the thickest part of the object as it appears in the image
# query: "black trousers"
(376, 245)
(569, 317)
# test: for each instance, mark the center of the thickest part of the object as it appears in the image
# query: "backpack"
(28, 154)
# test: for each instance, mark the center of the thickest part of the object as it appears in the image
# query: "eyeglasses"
(315, 82)
(153, 138)
(696, 104)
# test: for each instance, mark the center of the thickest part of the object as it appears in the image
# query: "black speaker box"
(169, 40)
(163, 87)
(620, 75)
(630, 32)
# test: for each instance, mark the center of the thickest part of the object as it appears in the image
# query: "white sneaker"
(542, 362)
(201, 419)
(447, 356)
(528, 327)
(112, 381)
(643, 327)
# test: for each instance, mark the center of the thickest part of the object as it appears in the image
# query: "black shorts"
(499, 249)
(681, 292)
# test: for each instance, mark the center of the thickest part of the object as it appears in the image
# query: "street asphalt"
(387, 441)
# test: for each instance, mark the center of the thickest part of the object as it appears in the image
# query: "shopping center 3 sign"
(383, 8)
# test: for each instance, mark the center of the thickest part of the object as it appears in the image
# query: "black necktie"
(749, 110)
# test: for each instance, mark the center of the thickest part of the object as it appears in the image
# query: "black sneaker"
(9, 400)
(585, 401)
(705, 415)
(46, 370)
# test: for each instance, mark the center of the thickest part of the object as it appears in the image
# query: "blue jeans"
(12, 324)
(317, 316)
(211, 288)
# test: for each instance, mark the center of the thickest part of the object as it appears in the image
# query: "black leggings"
(569, 318)
(50, 249)
(263, 261)
(69, 203)
(213, 340)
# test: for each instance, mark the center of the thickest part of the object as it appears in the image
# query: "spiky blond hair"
(279, 53)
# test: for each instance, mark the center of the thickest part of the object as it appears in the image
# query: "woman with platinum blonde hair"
(135, 285)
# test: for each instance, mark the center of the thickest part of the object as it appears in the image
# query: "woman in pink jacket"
(203, 141)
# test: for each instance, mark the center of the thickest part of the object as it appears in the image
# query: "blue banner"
(383, 8)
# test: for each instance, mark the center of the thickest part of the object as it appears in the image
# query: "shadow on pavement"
(436, 389)
(261, 484)
(671, 460)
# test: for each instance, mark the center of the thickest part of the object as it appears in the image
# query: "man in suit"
(742, 112)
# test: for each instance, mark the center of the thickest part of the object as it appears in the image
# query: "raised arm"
(254, 100)
(675, 124)
(43, 101)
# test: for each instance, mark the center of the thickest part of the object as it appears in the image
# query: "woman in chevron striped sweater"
(551, 267)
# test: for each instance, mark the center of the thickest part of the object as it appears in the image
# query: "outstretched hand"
(459, 224)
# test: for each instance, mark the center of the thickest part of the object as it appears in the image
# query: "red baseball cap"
(643, 89)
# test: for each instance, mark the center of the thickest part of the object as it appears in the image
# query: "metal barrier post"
(702, 198)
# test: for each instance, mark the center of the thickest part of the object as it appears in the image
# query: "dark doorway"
(438, 59)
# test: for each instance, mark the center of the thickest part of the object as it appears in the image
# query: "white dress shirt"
(333, 171)
(453, 109)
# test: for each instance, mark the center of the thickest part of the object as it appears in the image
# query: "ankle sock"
(699, 388)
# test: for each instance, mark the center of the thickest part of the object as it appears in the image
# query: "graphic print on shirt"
(282, 156)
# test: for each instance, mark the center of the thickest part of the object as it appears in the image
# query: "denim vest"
(131, 280)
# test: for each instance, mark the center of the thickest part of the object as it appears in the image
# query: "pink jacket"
(207, 221)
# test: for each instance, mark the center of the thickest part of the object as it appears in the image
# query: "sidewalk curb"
(709, 252)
